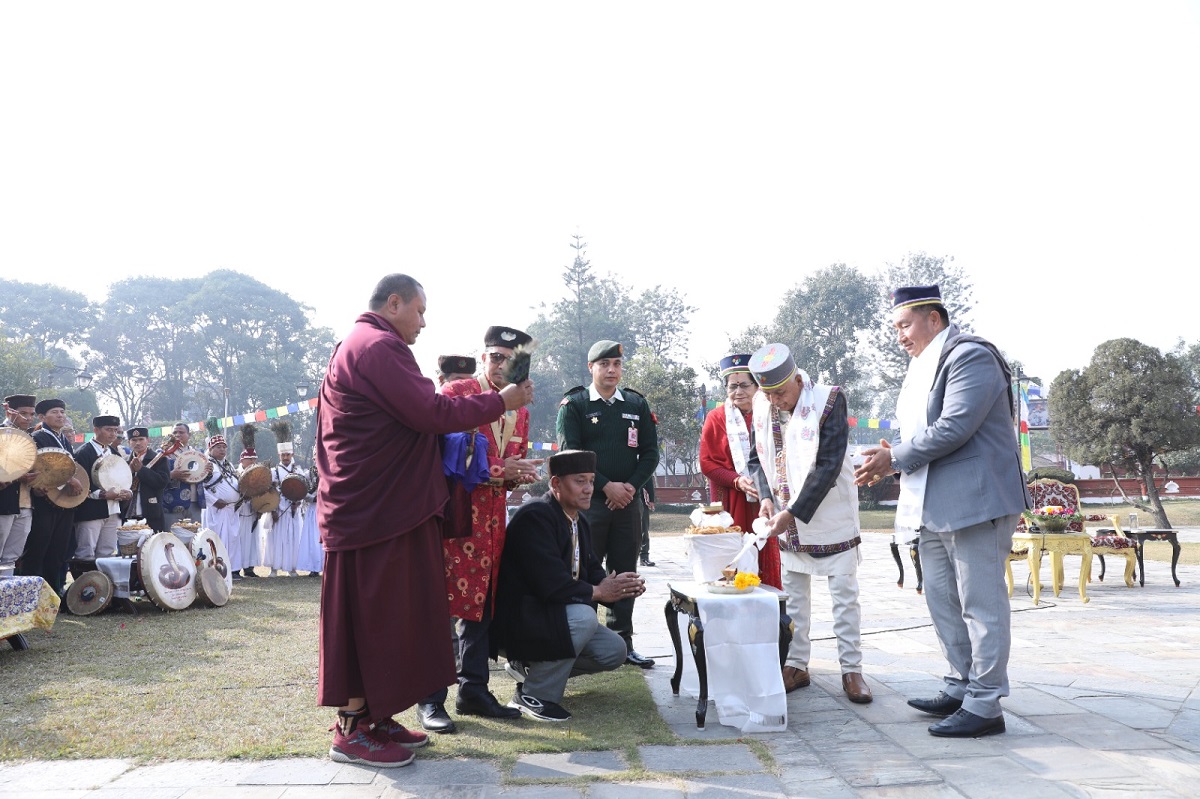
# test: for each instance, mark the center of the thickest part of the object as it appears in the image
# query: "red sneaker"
(368, 747)
(398, 733)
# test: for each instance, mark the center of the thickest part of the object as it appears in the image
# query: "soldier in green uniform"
(616, 424)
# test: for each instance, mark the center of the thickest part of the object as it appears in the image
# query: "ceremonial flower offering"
(745, 580)
(1053, 518)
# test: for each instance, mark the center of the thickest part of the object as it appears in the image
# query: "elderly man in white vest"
(800, 463)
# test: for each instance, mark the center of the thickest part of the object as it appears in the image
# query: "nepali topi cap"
(47, 405)
(772, 366)
(605, 349)
(15, 401)
(137, 432)
(105, 421)
(910, 296)
(572, 461)
(510, 337)
(456, 365)
(733, 364)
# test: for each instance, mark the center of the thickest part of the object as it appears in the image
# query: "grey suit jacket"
(970, 444)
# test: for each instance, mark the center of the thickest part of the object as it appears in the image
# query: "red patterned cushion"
(1112, 542)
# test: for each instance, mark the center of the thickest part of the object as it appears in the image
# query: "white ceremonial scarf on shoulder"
(739, 437)
(802, 437)
(912, 411)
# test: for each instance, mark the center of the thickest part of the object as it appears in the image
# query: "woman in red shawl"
(724, 449)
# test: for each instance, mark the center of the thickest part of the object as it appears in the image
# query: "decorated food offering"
(130, 537)
(1053, 518)
(711, 520)
(733, 582)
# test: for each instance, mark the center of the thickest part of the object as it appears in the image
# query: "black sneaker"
(536, 708)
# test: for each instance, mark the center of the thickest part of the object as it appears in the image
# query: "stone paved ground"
(1104, 703)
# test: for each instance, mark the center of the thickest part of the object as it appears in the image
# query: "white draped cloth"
(912, 411)
(741, 651)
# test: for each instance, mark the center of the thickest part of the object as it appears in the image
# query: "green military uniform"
(624, 435)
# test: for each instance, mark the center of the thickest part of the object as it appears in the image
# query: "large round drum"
(168, 571)
(112, 473)
(54, 466)
(62, 499)
(211, 589)
(266, 503)
(89, 594)
(208, 552)
(255, 481)
(17, 453)
(194, 462)
(294, 487)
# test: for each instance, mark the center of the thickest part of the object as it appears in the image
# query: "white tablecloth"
(741, 646)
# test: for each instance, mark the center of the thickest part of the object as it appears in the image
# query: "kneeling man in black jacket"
(546, 596)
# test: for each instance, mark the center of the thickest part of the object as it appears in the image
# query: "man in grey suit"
(962, 488)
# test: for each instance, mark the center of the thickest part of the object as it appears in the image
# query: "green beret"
(604, 349)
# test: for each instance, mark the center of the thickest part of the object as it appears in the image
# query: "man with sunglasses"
(472, 563)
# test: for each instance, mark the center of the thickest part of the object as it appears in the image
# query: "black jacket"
(150, 484)
(535, 583)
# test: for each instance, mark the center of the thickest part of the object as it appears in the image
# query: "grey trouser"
(597, 649)
(14, 529)
(968, 603)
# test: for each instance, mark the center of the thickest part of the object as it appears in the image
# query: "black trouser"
(616, 537)
(473, 670)
(46, 549)
(645, 553)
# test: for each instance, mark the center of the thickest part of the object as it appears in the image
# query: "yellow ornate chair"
(1052, 492)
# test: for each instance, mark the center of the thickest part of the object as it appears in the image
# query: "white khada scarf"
(801, 432)
(912, 411)
(739, 438)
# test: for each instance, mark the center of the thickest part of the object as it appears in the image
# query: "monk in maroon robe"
(380, 502)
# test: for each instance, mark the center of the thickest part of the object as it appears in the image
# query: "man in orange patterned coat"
(473, 563)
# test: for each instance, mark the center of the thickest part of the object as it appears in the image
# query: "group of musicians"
(44, 527)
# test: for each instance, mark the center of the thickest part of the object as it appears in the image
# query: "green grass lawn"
(240, 681)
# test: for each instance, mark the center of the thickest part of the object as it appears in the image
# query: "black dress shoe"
(965, 724)
(940, 705)
(484, 704)
(647, 562)
(433, 717)
(634, 659)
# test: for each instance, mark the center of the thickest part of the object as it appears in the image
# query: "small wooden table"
(1143, 535)
(688, 602)
(1057, 544)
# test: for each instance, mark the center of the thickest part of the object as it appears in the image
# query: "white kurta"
(282, 550)
(223, 522)
(312, 554)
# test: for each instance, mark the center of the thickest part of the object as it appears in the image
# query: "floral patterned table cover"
(25, 603)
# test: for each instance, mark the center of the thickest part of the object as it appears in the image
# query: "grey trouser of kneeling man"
(968, 603)
(597, 649)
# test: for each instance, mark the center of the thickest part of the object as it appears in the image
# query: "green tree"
(886, 363)
(597, 307)
(1130, 406)
(21, 368)
(44, 315)
(673, 392)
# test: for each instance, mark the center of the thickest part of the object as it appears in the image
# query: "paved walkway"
(1104, 703)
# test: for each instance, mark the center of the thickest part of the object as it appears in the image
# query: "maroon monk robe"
(380, 501)
(716, 463)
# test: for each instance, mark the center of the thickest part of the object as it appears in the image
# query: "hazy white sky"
(725, 149)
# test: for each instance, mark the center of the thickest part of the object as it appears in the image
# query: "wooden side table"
(1057, 544)
(688, 603)
(1144, 535)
